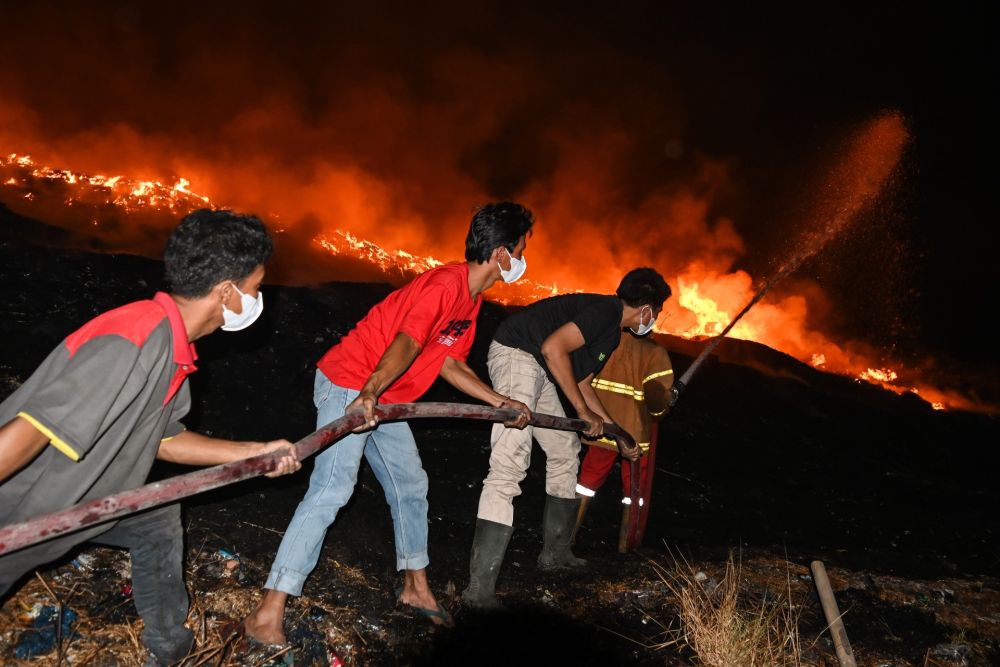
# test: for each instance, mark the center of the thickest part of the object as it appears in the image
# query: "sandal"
(430, 614)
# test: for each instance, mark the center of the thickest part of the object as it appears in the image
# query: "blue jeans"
(392, 453)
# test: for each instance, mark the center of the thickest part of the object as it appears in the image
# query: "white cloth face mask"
(644, 328)
(516, 270)
(252, 308)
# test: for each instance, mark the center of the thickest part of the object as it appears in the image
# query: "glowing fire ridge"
(407, 265)
(398, 261)
(133, 195)
(127, 193)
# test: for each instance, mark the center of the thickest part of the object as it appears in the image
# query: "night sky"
(743, 104)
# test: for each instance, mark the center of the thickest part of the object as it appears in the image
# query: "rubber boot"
(584, 502)
(559, 519)
(488, 549)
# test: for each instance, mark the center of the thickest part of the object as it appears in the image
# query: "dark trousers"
(155, 540)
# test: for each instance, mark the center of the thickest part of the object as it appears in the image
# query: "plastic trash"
(951, 654)
(42, 637)
(84, 562)
(228, 564)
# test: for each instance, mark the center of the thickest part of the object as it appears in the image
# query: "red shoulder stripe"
(133, 322)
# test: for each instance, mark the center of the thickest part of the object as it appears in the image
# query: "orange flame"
(708, 293)
(878, 375)
(120, 191)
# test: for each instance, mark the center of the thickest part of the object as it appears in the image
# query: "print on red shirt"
(451, 333)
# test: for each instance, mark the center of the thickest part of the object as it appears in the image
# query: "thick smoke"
(394, 124)
(392, 133)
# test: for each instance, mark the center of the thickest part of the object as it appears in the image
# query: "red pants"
(594, 472)
(597, 464)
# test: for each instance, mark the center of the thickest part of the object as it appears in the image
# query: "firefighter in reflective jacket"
(634, 386)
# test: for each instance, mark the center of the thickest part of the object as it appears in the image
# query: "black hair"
(495, 225)
(209, 247)
(643, 287)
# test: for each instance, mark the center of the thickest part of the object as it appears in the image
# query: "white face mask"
(644, 328)
(516, 270)
(252, 308)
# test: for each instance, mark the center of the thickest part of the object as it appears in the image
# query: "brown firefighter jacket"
(634, 386)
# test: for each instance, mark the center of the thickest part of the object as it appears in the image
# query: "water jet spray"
(870, 160)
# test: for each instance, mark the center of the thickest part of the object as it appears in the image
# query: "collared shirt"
(106, 397)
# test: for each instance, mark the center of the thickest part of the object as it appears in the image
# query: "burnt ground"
(766, 458)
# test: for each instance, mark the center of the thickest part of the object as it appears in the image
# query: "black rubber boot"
(559, 521)
(488, 549)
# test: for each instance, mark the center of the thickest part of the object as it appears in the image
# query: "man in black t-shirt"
(560, 341)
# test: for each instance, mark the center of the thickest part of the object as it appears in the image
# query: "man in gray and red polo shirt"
(108, 401)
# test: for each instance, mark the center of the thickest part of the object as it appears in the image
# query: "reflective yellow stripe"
(618, 388)
(172, 436)
(644, 446)
(57, 442)
(669, 371)
(637, 395)
(609, 383)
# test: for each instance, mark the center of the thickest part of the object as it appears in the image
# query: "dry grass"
(108, 635)
(95, 641)
(722, 625)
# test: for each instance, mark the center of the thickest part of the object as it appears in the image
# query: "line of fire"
(707, 298)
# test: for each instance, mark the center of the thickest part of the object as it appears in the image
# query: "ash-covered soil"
(765, 458)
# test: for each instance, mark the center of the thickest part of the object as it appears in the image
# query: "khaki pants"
(515, 373)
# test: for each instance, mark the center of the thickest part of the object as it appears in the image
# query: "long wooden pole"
(47, 526)
(845, 655)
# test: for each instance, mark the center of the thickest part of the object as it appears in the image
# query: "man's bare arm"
(200, 450)
(394, 362)
(20, 443)
(556, 350)
(459, 375)
(592, 399)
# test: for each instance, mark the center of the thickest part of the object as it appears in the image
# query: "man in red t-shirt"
(418, 333)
